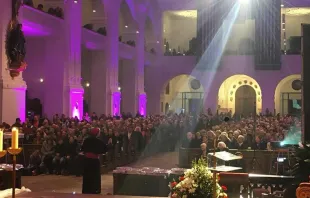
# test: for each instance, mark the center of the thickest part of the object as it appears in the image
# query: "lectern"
(222, 158)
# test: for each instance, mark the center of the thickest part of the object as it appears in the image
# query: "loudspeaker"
(297, 85)
(305, 82)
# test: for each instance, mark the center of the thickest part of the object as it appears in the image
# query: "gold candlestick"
(14, 152)
(2, 153)
(214, 172)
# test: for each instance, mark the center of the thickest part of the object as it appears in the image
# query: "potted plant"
(197, 182)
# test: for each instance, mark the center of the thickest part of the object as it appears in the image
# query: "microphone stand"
(254, 161)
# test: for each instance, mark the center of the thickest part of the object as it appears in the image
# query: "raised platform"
(67, 195)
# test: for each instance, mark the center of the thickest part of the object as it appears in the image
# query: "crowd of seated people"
(58, 12)
(61, 138)
(101, 30)
(239, 133)
(192, 50)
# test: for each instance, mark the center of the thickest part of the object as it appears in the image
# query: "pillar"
(113, 98)
(12, 91)
(267, 96)
(73, 91)
(98, 82)
(141, 98)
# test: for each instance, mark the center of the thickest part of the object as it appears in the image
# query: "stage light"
(87, 84)
(244, 1)
(41, 80)
(75, 1)
(94, 11)
(126, 26)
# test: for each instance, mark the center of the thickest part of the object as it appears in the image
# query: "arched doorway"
(288, 99)
(183, 93)
(245, 101)
(167, 108)
(227, 93)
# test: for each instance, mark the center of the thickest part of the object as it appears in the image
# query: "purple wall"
(170, 67)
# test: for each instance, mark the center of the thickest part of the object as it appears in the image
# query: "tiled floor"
(72, 184)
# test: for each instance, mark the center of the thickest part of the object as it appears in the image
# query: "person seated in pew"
(241, 144)
(58, 160)
(197, 140)
(188, 142)
(204, 151)
(34, 163)
(70, 157)
(221, 146)
(259, 144)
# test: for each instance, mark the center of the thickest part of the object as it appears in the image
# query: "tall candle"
(14, 138)
(1, 139)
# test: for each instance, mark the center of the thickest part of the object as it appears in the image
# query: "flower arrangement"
(197, 182)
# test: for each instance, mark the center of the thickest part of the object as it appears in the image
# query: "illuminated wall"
(177, 85)
(179, 28)
(227, 92)
(285, 86)
(294, 17)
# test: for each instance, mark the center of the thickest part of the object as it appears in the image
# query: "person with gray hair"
(241, 144)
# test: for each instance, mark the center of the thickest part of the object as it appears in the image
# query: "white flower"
(184, 196)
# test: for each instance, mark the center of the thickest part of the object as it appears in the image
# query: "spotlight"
(282, 5)
(87, 84)
(119, 88)
(126, 26)
(41, 80)
(137, 32)
(94, 11)
(75, 1)
(244, 1)
(157, 42)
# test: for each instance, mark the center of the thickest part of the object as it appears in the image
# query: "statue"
(15, 43)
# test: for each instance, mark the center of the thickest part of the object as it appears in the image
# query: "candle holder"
(14, 152)
(2, 153)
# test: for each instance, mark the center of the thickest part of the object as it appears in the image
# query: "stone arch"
(227, 92)
(285, 86)
(182, 95)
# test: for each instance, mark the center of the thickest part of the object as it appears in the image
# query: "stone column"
(267, 97)
(12, 91)
(98, 82)
(141, 99)
(73, 92)
(113, 98)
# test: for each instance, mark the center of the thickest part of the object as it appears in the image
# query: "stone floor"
(72, 184)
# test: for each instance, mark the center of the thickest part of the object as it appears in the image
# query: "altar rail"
(265, 161)
(156, 184)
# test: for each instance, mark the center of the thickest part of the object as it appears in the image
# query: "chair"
(303, 191)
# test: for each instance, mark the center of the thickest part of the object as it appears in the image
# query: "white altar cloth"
(8, 192)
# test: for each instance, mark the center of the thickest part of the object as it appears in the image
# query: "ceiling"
(193, 5)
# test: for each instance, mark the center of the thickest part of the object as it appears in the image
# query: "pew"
(264, 159)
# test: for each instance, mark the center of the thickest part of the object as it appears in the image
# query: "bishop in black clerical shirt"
(92, 148)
